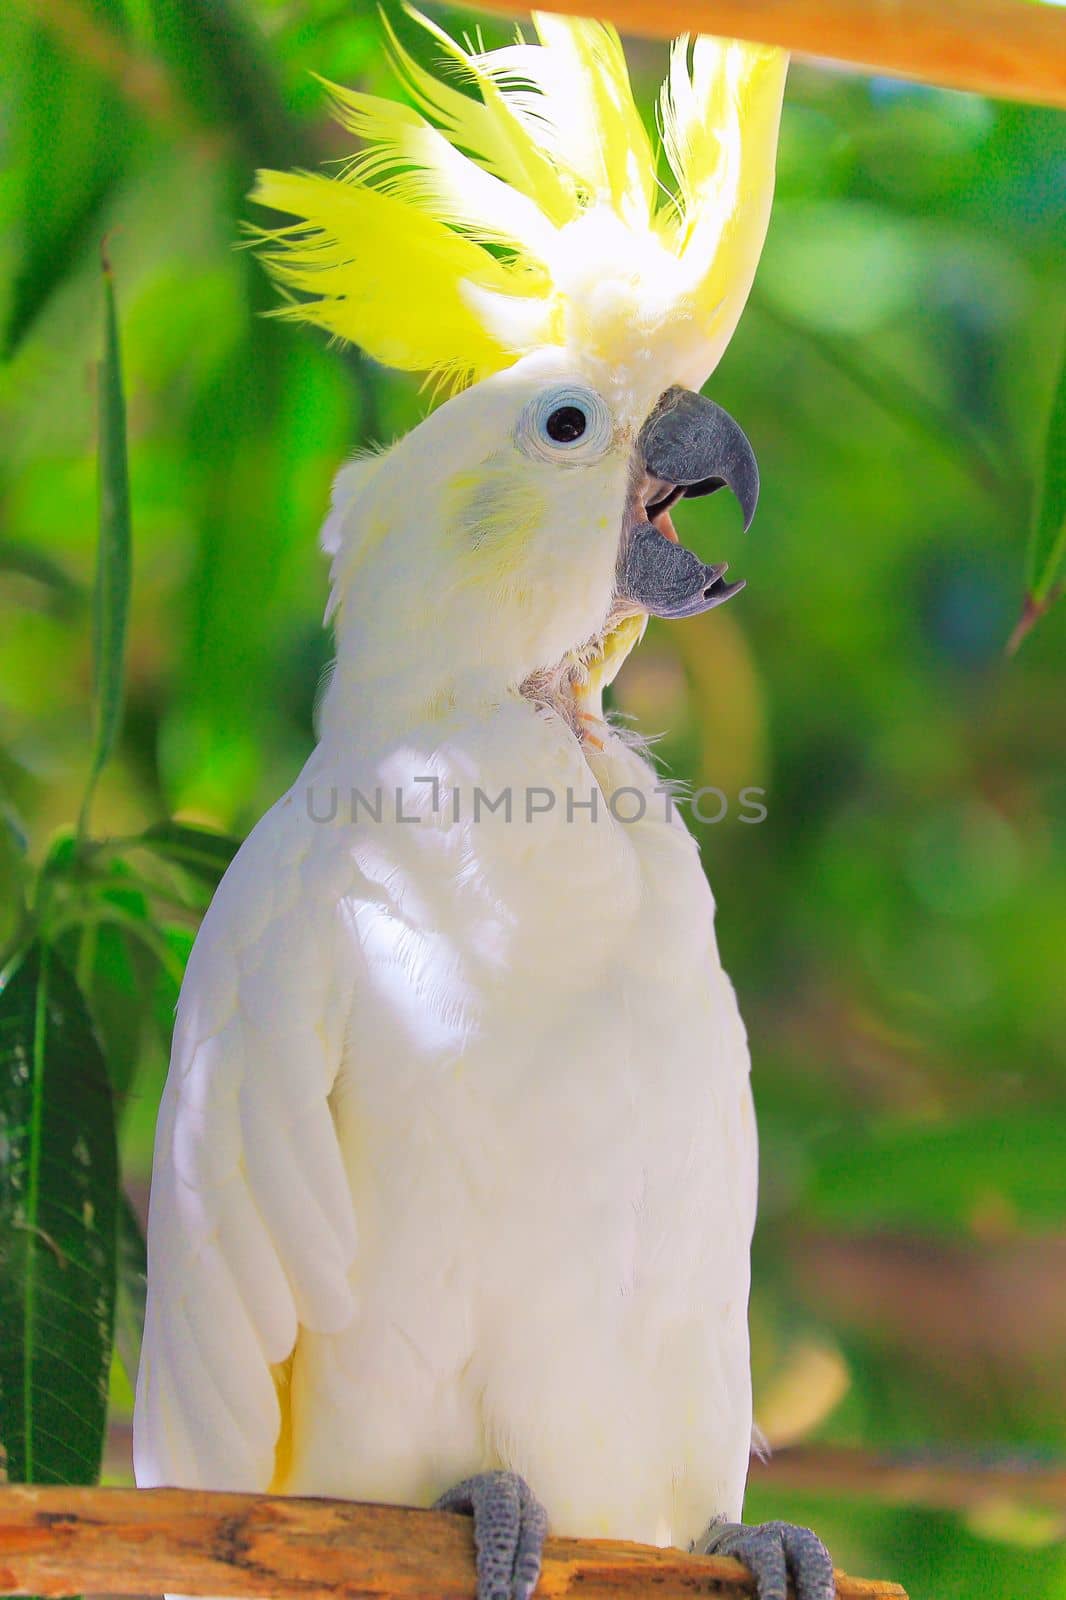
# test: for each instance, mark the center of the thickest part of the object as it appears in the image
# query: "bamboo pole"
(1014, 49)
(58, 1541)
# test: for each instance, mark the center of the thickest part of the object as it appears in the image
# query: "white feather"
(459, 1115)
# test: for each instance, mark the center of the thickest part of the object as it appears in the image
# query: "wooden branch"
(141, 1541)
(1014, 49)
(941, 1480)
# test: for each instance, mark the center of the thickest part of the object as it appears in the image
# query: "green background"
(895, 926)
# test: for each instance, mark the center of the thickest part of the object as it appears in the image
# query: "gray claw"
(776, 1553)
(509, 1528)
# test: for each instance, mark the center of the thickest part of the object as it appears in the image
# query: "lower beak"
(691, 447)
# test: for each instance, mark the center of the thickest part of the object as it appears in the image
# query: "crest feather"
(380, 301)
(524, 209)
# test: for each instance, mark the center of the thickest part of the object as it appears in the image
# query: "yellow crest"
(524, 208)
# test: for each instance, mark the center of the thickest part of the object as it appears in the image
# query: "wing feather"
(251, 1229)
(257, 1272)
(312, 1253)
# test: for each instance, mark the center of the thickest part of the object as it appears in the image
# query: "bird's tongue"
(662, 520)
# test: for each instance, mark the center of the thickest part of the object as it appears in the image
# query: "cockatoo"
(455, 1170)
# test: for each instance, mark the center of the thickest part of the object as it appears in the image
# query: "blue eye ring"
(566, 424)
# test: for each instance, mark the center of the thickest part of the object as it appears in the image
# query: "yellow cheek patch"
(493, 513)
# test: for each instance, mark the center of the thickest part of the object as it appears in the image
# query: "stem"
(897, 396)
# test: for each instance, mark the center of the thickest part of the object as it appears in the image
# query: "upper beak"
(690, 446)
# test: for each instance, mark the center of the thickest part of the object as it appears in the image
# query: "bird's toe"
(809, 1563)
(777, 1554)
(509, 1528)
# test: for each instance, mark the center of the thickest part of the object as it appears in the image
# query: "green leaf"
(112, 593)
(72, 137)
(1047, 541)
(62, 860)
(58, 1193)
(938, 425)
(16, 878)
(13, 830)
(132, 1288)
(62, 594)
(225, 71)
(200, 851)
(116, 975)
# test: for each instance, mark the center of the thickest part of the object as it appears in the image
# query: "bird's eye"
(565, 424)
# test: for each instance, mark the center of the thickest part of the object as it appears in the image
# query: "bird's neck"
(398, 680)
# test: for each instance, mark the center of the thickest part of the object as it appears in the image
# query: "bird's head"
(517, 243)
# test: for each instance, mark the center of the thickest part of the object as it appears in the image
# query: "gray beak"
(692, 447)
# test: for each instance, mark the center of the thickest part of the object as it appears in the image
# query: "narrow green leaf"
(225, 71)
(112, 594)
(58, 1189)
(71, 143)
(61, 592)
(116, 984)
(62, 858)
(132, 1288)
(120, 982)
(13, 829)
(1047, 545)
(1047, 541)
(200, 851)
(16, 879)
(890, 389)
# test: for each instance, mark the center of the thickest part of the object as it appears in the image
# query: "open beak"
(687, 447)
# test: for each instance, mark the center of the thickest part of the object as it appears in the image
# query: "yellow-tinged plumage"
(524, 210)
(425, 1202)
(383, 274)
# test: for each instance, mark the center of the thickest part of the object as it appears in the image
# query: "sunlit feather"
(524, 209)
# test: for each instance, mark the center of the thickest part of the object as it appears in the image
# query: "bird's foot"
(778, 1555)
(509, 1528)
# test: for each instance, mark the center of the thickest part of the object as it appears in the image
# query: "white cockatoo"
(455, 1171)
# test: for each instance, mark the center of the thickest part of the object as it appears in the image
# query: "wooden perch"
(141, 1541)
(1015, 49)
(940, 1479)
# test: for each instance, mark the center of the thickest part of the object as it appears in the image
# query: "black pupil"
(567, 424)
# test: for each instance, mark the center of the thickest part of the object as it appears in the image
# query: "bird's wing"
(251, 1228)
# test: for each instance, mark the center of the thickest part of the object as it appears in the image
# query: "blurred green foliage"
(896, 924)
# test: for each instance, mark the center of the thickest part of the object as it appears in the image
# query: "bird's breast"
(539, 1006)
